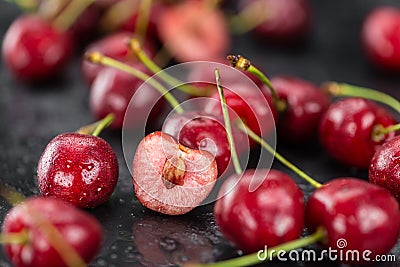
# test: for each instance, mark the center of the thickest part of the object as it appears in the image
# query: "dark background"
(30, 116)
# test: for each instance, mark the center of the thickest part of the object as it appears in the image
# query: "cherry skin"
(271, 215)
(346, 130)
(365, 215)
(170, 178)
(39, 251)
(287, 20)
(80, 169)
(380, 37)
(306, 104)
(34, 50)
(198, 130)
(385, 166)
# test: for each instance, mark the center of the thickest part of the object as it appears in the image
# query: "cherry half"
(35, 218)
(170, 178)
(78, 168)
(270, 215)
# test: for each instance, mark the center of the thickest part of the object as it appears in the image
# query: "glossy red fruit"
(347, 127)
(385, 166)
(34, 50)
(364, 215)
(114, 46)
(306, 104)
(78, 229)
(197, 130)
(284, 20)
(170, 178)
(380, 37)
(80, 169)
(192, 30)
(270, 215)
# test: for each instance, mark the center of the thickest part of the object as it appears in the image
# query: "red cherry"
(306, 104)
(380, 37)
(78, 229)
(34, 50)
(346, 130)
(170, 178)
(272, 214)
(285, 20)
(366, 216)
(192, 30)
(385, 166)
(85, 27)
(80, 169)
(114, 46)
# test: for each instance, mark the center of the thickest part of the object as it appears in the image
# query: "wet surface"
(31, 115)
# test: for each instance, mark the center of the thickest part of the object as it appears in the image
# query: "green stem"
(136, 48)
(258, 257)
(249, 18)
(21, 237)
(344, 89)
(104, 123)
(143, 18)
(98, 58)
(26, 5)
(71, 13)
(379, 131)
(228, 127)
(241, 63)
(11, 195)
(244, 128)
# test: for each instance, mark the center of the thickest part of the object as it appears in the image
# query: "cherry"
(192, 30)
(270, 215)
(114, 46)
(170, 178)
(306, 104)
(276, 20)
(348, 130)
(78, 168)
(385, 165)
(380, 37)
(85, 27)
(34, 50)
(78, 240)
(366, 216)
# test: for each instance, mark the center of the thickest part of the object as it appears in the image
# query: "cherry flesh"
(306, 104)
(198, 130)
(79, 230)
(77, 168)
(380, 37)
(385, 167)
(170, 178)
(34, 50)
(271, 215)
(366, 216)
(346, 130)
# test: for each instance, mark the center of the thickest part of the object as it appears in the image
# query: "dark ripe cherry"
(85, 27)
(306, 104)
(78, 229)
(80, 169)
(192, 30)
(34, 50)
(380, 37)
(385, 166)
(112, 91)
(365, 215)
(198, 130)
(271, 215)
(170, 178)
(285, 20)
(114, 46)
(346, 130)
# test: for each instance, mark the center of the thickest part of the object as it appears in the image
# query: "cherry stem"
(241, 63)
(26, 5)
(244, 128)
(21, 237)
(117, 14)
(344, 89)
(98, 58)
(11, 195)
(228, 127)
(259, 257)
(136, 48)
(379, 131)
(143, 18)
(249, 18)
(71, 13)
